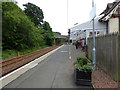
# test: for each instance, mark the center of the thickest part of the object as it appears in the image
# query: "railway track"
(14, 63)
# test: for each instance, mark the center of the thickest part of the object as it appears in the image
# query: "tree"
(34, 13)
(57, 33)
(49, 38)
(46, 26)
(47, 33)
(36, 16)
(18, 32)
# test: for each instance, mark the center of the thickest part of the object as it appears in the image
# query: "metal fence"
(107, 54)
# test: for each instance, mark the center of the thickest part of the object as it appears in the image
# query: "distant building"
(111, 15)
(85, 30)
(108, 22)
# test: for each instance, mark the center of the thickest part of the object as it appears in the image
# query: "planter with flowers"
(82, 71)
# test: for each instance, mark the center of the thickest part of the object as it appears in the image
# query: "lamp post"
(94, 50)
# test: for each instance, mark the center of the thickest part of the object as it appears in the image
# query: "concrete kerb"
(93, 86)
(13, 75)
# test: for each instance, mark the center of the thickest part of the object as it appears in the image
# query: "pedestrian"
(83, 44)
(80, 43)
(76, 44)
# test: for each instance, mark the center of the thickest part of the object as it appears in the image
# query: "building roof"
(89, 26)
(110, 9)
(109, 5)
(78, 31)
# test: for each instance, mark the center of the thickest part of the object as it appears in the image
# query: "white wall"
(113, 25)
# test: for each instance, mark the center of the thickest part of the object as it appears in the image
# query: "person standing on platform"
(83, 44)
(76, 44)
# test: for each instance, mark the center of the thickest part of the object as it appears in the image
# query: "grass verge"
(11, 53)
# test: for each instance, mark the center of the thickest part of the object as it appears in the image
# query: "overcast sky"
(63, 14)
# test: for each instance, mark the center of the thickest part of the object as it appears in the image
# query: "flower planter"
(82, 77)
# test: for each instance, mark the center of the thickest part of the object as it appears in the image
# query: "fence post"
(118, 57)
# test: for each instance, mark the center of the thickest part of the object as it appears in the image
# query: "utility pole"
(94, 50)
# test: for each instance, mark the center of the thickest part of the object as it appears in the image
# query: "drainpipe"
(119, 16)
(119, 25)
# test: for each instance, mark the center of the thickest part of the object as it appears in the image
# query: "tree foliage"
(48, 34)
(60, 40)
(36, 16)
(47, 27)
(34, 13)
(18, 32)
(22, 31)
(57, 33)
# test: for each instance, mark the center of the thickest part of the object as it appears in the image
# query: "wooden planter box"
(82, 77)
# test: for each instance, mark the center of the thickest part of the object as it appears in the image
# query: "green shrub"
(18, 32)
(87, 67)
(83, 60)
(82, 63)
(78, 67)
(8, 53)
